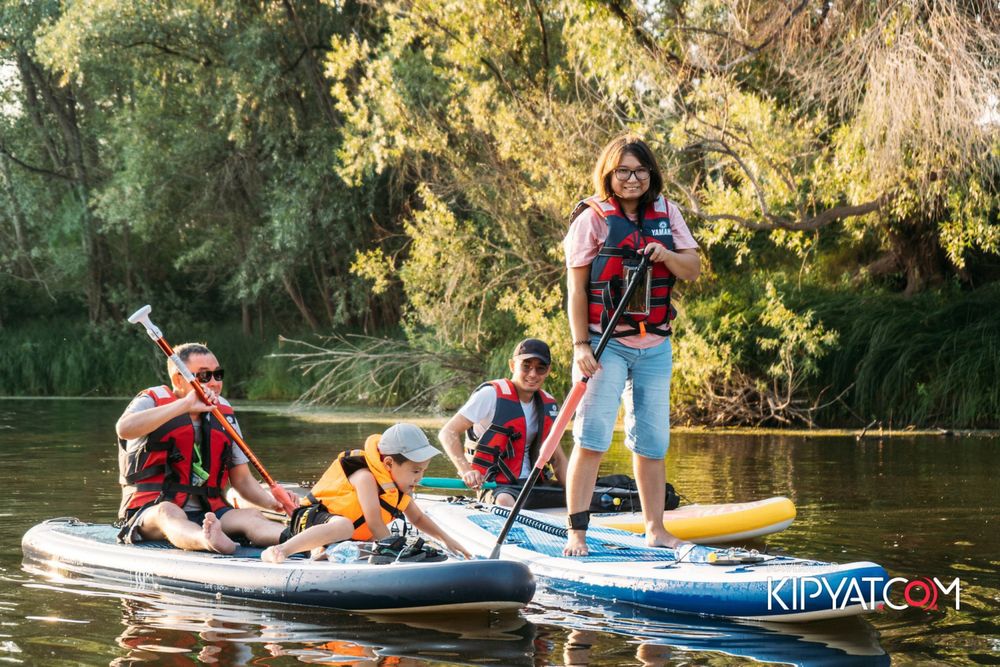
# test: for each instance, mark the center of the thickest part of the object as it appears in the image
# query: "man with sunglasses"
(496, 435)
(175, 460)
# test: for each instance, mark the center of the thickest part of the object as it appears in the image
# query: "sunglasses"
(205, 376)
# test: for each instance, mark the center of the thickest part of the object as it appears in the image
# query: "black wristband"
(578, 520)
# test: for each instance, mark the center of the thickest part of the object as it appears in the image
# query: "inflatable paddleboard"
(70, 547)
(704, 524)
(707, 524)
(693, 579)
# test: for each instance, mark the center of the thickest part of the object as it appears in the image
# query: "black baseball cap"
(532, 348)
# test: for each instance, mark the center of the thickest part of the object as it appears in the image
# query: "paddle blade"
(559, 427)
(282, 497)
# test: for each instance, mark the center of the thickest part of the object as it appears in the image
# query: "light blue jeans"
(640, 379)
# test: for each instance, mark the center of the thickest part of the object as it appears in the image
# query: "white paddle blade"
(141, 316)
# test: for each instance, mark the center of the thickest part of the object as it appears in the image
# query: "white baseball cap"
(408, 440)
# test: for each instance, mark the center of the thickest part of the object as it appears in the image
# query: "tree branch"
(32, 168)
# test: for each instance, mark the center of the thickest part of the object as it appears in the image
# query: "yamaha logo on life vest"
(553, 410)
(662, 230)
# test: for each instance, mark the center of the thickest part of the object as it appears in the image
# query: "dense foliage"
(407, 167)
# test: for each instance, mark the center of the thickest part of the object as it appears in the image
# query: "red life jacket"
(625, 239)
(498, 454)
(161, 470)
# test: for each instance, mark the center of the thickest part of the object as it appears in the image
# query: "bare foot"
(318, 553)
(576, 543)
(215, 539)
(273, 554)
(663, 539)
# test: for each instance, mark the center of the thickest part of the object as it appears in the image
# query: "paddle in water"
(568, 408)
(141, 316)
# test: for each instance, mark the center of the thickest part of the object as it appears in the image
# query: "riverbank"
(324, 415)
(363, 415)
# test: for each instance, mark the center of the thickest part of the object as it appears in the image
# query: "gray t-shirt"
(144, 402)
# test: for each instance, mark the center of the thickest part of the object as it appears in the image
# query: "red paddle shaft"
(568, 408)
(141, 316)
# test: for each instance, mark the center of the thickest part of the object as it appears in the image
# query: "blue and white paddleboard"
(622, 568)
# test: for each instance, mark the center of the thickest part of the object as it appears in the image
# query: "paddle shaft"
(142, 316)
(450, 483)
(568, 408)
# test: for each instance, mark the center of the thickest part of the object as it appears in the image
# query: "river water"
(920, 506)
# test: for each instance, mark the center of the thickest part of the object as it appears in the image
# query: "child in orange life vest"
(361, 492)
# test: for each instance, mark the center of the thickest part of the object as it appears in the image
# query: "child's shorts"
(305, 517)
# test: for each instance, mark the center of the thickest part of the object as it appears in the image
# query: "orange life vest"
(336, 493)
(161, 470)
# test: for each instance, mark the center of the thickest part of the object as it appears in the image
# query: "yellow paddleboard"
(712, 524)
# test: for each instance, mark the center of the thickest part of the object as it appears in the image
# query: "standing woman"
(628, 216)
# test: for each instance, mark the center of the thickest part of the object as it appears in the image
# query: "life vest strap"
(391, 509)
(206, 491)
(145, 473)
(627, 253)
(632, 332)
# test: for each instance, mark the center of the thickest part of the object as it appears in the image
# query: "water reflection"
(658, 638)
(174, 629)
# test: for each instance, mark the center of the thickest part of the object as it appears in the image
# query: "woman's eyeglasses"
(623, 174)
(205, 376)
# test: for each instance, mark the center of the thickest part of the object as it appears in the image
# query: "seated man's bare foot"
(318, 553)
(215, 539)
(273, 554)
(576, 543)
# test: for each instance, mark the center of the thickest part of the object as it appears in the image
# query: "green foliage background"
(405, 170)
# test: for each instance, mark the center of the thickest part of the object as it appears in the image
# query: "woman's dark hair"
(611, 156)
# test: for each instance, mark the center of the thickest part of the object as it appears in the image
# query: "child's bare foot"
(273, 554)
(576, 543)
(318, 553)
(215, 539)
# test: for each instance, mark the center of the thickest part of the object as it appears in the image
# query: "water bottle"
(343, 552)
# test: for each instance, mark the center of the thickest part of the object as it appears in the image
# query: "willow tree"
(877, 122)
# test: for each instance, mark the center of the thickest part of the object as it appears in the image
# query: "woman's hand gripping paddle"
(141, 316)
(568, 408)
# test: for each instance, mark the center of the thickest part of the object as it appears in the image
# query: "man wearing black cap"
(496, 435)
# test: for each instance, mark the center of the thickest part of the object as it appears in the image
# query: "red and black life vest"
(161, 470)
(625, 239)
(498, 454)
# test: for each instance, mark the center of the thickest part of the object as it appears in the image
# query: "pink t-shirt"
(586, 237)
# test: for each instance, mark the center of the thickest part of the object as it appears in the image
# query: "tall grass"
(930, 360)
(72, 358)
